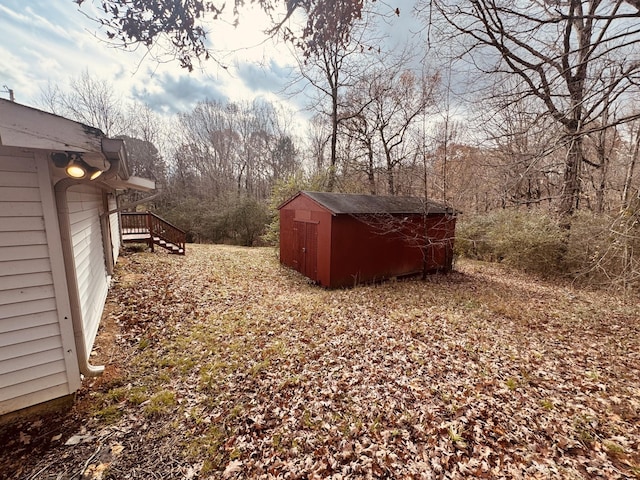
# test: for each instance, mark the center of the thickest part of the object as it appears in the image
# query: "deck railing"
(147, 223)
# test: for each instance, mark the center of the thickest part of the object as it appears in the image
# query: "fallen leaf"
(234, 466)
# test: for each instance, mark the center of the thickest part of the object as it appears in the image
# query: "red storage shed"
(340, 240)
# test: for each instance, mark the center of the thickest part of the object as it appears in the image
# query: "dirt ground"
(222, 364)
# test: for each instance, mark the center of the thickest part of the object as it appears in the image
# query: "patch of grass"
(308, 421)
(160, 404)
(594, 376)
(209, 446)
(276, 441)
(546, 404)
(213, 373)
(258, 367)
(583, 429)
(376, 426)
(235, 412)
(290, 382)
(166, 361)
(613, 448)
(456, 436)
(110, 414)
(511, 383)
(137, 395)
(116, 395)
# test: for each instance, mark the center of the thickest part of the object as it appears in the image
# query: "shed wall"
(441, 230)
(364, 251)
(303, 209)
(372, 248)
(34, 325)
(85, 205)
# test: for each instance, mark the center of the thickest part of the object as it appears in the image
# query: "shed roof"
(346, 203)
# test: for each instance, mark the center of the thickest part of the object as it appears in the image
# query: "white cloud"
(54, 41)
(43, 24)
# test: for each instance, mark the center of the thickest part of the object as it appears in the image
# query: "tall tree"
(398, 99)
(331, 68)
(557, 51)
(88, 100)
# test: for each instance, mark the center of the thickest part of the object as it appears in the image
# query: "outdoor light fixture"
(74, 166)
(60, 160)
(93, 172)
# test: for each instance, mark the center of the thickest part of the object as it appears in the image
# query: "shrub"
(605, 250)
(529, 241)
(596, 250)
(238, 220)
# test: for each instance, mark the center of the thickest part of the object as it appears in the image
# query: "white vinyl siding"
(85, 206)
(32, 358)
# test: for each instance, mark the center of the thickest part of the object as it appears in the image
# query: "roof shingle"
(339, 203)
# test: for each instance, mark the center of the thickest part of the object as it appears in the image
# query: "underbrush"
(597, 250)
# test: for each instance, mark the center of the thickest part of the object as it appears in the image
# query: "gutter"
(114, 156)
(126, 206)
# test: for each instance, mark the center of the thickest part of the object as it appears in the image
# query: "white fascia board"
(134, 183)
(26, 127)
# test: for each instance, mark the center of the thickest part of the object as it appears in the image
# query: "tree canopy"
(180, 26)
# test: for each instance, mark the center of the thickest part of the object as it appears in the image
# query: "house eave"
(26, 127)
(134, 183)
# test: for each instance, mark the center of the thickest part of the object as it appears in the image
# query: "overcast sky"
(53, 41)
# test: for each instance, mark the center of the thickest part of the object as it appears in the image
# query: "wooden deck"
(146, 227)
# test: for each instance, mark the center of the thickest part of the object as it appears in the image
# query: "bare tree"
(88, 100)
(398, 99)
(330, 70)
(317, 138)
(557, 52)
(633, 152)
(147, 143)
(239, 148)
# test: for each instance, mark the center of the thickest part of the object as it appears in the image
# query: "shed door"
(306, 248)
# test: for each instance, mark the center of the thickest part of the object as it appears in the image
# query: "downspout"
(62, 207)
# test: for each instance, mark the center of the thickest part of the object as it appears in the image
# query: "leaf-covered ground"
(222, 364)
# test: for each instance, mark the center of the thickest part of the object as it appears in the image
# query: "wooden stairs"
(147, 227)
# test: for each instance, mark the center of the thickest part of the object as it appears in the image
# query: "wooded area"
(519, 118)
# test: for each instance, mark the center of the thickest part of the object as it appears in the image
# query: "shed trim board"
(364, 238)
(55, 239)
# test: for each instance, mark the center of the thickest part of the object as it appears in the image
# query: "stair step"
(153, 229)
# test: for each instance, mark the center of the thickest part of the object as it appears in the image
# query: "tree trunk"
(626, 192)
(334, 138)
(570, 197)
(602, 185)
(370, 172)
(390, 179)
